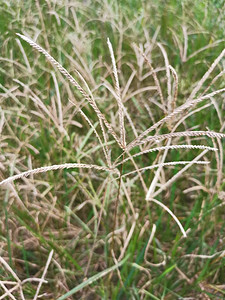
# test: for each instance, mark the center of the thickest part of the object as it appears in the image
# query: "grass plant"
(111, 164)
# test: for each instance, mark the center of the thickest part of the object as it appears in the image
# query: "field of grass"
(111, 164)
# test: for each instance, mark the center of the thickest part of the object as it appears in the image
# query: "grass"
(111, 163)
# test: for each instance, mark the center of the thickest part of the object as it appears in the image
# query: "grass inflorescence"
(111, 164)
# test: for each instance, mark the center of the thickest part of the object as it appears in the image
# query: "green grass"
(72, 211)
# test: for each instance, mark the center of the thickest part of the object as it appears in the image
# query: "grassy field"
(112, 135)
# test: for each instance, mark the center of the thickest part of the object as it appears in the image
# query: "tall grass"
(111, 162)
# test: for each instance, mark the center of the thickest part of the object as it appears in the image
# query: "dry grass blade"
(9, 269)
(203, 256)
(37, 101)
(169, 99)
(205, 48)
(214, 81)
(161, 160)
(221, 163)
(178, 174)
(118, 271)
(154, 74)
(2, 120)
(206, 75)
(7, 292)
(24, 55)
(175, 77)
(137, 170)
(171, 213)
(149, 243)
(19, 283)
(43, 275)
(129, 236)
(105, 150)
(185, 47)
(56, 167)
(60, 114)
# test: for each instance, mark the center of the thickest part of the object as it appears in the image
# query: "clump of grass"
(94, 222)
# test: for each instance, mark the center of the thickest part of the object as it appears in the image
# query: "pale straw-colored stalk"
(59, 103)
(128, 84)
(139, 91)
(154, 75)
(24, 55)
(149, 243)
(129, 236)
(43, 274)
(211, 45)
(171, 213)
(185, 47)
(175, 77)
(203, 256)
(179, 173)
(10, 270)
(118, 98)
(168, 77)
(159, 170)
(7, 292)
(106, 154)
(206, 75)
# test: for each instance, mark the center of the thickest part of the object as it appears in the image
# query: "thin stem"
(117, 203)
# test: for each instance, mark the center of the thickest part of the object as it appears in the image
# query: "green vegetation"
(111, 163)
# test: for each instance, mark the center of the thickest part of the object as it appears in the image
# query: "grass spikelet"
(206, 75)
(170, 163)
(53, 168)
(118, 98)
(210, 134)
(162, 148)
(177, 111)
(74, 82)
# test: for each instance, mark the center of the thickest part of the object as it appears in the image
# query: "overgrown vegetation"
(111, 163)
